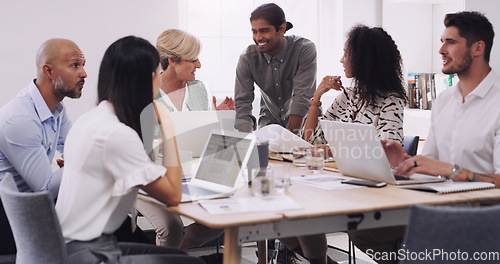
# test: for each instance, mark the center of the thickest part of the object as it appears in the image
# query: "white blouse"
(105, 161)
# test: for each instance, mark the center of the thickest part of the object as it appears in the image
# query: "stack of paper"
(280, 139)
(250, 204)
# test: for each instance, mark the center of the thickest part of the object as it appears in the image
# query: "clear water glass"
(262, 181)
(281, 177)
(315, 160)
(299, 156)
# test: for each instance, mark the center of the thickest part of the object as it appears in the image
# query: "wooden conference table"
(323, 211)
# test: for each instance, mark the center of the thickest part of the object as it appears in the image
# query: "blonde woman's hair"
(178, 45)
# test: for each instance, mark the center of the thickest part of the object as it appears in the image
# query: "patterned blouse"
(386, 114)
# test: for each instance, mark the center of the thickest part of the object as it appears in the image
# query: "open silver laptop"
(220, 165)
(193, 127)
(358, 152)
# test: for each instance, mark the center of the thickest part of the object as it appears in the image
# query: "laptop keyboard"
(400, 178)
(195, 191)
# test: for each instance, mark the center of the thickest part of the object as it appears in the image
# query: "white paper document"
(325, 182)
(249, 204)
(280, 139)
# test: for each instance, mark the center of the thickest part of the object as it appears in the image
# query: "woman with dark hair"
(105, 161)
(378, 95)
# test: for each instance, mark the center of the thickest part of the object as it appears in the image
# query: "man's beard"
(463, 67)
(65, 90)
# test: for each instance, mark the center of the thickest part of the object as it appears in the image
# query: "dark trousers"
(106, 249)
(123, 234)
(7, 244)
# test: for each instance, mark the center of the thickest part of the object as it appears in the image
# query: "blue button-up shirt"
(30, 134)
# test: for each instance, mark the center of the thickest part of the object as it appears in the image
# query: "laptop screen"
(222, 160)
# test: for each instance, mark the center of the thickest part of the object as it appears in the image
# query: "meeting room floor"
(338, 245)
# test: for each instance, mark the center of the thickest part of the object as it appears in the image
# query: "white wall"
(438, 13)
(490, 8)
(222, 25)
(410, 25)
(92, 24)
(225, 31)
(224, 28)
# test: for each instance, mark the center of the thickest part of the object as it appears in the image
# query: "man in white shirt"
(464, 138)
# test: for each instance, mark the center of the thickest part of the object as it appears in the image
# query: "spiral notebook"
(451, 187)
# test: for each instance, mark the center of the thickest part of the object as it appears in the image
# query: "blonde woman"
(180, 91)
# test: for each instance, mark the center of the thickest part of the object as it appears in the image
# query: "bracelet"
(314, 103)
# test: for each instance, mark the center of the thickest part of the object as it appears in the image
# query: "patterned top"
(386, 114)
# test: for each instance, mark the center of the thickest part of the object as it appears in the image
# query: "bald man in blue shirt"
(34, 125)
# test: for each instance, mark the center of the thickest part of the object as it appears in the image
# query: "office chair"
(450, 229)
(7, 259)
(410, 144)
(34, 224)
(37, 231)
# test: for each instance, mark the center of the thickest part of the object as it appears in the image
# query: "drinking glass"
(281, 177)
(315, 160)
(262, 184)
(299, 156)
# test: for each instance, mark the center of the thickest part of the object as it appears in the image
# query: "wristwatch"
(456, 170)
(315, 103)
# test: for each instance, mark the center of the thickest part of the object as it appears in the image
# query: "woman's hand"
(328, 83)
(228, 104)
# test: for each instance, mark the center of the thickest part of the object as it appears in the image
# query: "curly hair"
(376, 63)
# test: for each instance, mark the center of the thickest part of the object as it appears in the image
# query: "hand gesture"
(329, 82)
(227, 104)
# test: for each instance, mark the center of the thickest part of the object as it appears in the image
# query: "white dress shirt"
(467, 133)
(105, 161)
